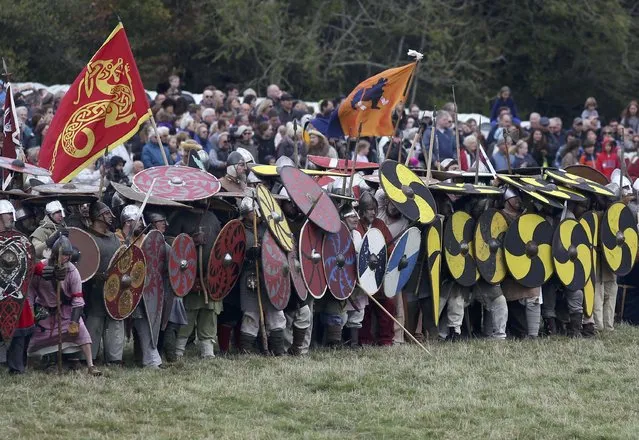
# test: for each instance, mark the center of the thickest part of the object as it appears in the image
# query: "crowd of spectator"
(270, 127)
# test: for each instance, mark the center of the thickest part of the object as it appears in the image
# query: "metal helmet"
(232, 161)
(130, 212)
(53, 207)
(7, 208)
(246, 154)
(347, 210)
(63, 245)
(510, 193)
(248, 205)
(117, 200)
(155, 216)
(97, 209)
(366, 201)
(284, 161)
(252, 178)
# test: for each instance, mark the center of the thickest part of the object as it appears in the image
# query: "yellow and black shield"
(489, 254)
(590, 221)
(407, 191)
(551, 189)
(572, 255)
(459, 250)
(529, 190)
(434, 262)
(527, 250)
(578, 182)
(619, 238)
(465, 188)
(274, 217)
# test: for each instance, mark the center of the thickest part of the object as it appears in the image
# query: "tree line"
(552, 53)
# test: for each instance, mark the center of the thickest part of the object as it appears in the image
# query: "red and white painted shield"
(182, 184)
(226, 259)
(182, 264)
(276, 272)
(296, 273)
(310, 251)
(154, 249)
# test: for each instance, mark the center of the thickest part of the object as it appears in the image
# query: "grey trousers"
(493, 300)
(574, 300)
(605, 301)
(106, 333)
(273, 319)
(150, 355)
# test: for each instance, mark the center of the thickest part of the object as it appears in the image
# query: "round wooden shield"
(272, 171)
(619, 238)
(465, 188)
(182, 264)
(125, 282)
(310, 199)
(89, 253)
(341, 164)
(181, 184)
(274, 217)
(551, 189)
(296, 273)
(571, 252)
(459, 250)
(16, 268)
(434, 263)
(578, 182)
(529, 190)
(528, 251)
(371, 261)
(277, 280)
(9, 163)
(340, 263)
(137, 196)
(590, 221)
(408, 192)
(66, 188)
(402, 261)
(588, 173)
(310, 251)
(154, 250)
(489, 254)
(65, 199)
(226, 260)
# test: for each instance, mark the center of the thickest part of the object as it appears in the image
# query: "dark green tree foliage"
(553, 53)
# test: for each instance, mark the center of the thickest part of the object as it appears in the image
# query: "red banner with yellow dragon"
(103, 108)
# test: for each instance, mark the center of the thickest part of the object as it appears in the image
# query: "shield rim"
(365, 238)
(286, 279)
(235, 223)
(95, 246)
(182, 236)
(196, 174)
(134, 250)
(477, 233)
(348, 235)
(412, 230)
(322, 275)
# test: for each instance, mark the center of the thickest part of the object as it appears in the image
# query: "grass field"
(547, 389)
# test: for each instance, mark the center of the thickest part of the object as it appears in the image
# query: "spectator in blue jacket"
(151, 153)
(504, 99)
(445, 147)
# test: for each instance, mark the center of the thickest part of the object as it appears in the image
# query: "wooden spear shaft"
(397, 322)
(430, 147)
(155, 128)
(456, 126)
(58, 313)
(257, 280)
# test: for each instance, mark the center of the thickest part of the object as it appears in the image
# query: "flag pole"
(456, 125)
(411, 81)
(102, 173)
(430, 147)
(359, 134)
(477, 155)
(296, 155)
(155, 128)
(412, 146)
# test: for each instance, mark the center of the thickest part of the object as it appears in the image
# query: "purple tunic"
(43, 292)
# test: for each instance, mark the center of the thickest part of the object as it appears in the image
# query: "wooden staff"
(58, 313)
(456, 126)
(257, 280)
(102, 173)
(477, 155)
(506, 136)
(359, 134)
(296, 153)
(430, 147)
(412, 146)
(397, 322)
(139, 216)
(157, 135)
(409, 85)
(623, 165)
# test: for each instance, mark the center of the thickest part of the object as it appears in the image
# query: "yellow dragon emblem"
(104, 76)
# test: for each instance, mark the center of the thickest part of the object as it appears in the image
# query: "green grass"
(550, 389)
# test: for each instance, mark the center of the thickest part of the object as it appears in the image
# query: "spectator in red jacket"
(608, 159)
(589, 158)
